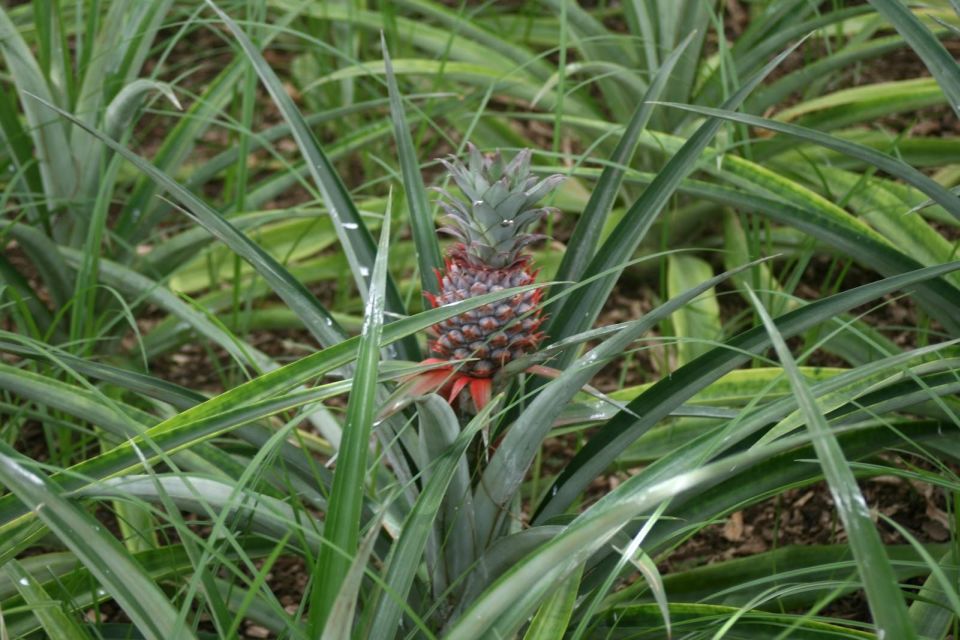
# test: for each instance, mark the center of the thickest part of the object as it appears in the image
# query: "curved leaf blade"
(53, 619)
(937, 192)
(879, 581)
(421, 219)
(405, 558)
(583, 242)
(355, 238)
(125, 580)
(938, 60)
(342, 524)
(508, 467)
(584, 305)
(317, 320)
(669, 393)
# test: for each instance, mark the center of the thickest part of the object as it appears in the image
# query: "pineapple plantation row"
(426, 319)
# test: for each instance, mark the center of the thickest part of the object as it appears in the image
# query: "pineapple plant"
(491, 229)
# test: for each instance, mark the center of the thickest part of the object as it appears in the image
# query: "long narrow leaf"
(669, 393)
(141, 287)
(583, 306)
(554, 614)
(931, 612)
(452, 548)
(205, 496)
(50, 137)
(355, 238)
(879, 581)
(53, 619)
(135, 592)
(317, 320)
(894, 166)
(405, 559)
(938, 60)
(697, 325)
(507, 469)
(342, 525)
(339, 624)
(512, 598)
(583, 242)
(424, 235)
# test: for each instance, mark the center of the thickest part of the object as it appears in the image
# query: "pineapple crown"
(501, 205)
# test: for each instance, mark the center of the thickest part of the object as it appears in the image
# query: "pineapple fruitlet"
(491, 232)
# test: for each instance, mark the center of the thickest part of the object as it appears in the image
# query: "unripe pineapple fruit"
(491, 232)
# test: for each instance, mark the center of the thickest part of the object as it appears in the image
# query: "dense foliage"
(219, 248)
